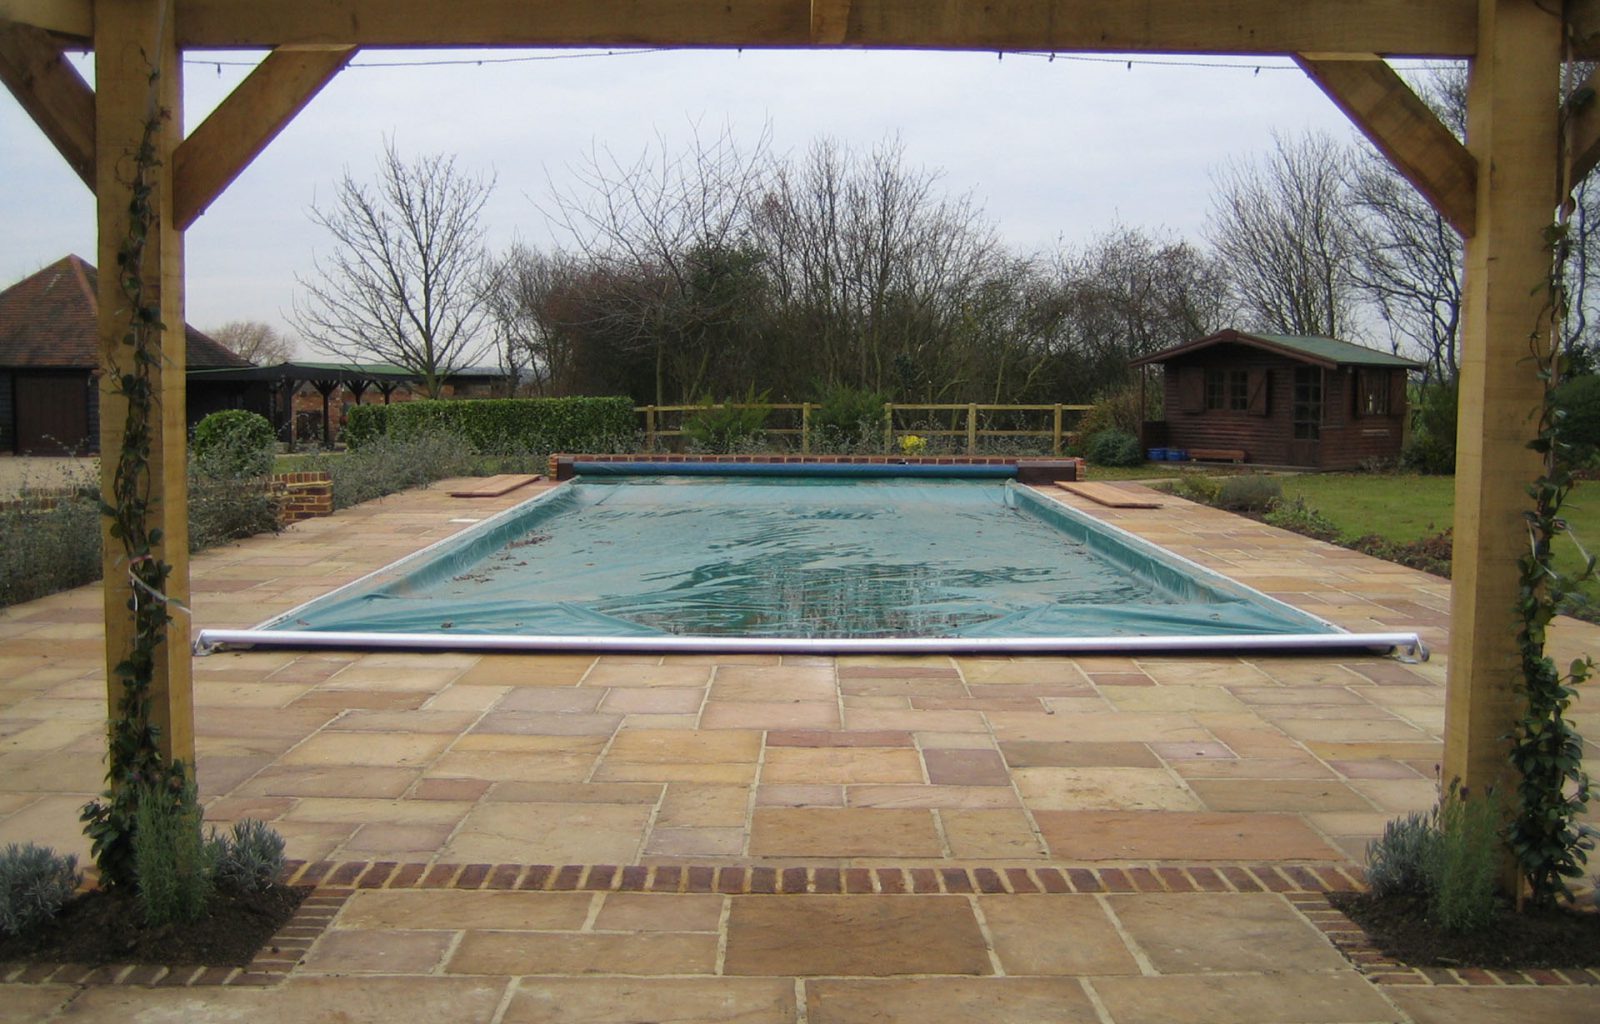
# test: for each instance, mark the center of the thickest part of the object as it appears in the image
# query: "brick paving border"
(1303, 885)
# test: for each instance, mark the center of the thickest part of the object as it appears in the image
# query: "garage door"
(52, 413)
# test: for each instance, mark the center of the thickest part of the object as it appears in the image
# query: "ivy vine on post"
(135, 762)
(1546, 751)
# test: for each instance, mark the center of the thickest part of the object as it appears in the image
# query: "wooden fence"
(656, 415)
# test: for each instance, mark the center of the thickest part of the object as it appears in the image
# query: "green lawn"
(1405, 507)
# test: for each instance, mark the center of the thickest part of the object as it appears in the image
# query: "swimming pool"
(796, 562)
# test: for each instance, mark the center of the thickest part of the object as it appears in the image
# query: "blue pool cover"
(786, 557)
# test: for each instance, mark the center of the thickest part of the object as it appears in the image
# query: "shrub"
(848, 419)
(1579, 400)
(1204, 489)
(1465, 860)
(1119, 409)
(249, 858)
(500, 426)
(390, 464)
(49, 550)
(1431, 448)
(227, 508)
(1114, 448)
(1449, 856)
(724, 428)
(1294, 514)
(34, 883)
(1249, 493)
(234, 443)
(1398, 861)
(172, 862)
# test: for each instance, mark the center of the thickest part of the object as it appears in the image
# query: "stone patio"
(1167, 773)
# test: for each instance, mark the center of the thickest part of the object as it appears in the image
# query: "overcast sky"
(1054, 151)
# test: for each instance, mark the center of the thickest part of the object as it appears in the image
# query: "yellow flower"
(911, 444)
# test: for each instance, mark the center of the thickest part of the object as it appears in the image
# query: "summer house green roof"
(1328, 352)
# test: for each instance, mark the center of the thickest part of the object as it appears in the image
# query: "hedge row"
(500, 426)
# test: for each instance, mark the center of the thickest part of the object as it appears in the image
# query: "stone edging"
(1303, 885)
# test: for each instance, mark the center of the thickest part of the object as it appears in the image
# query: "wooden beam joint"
(239, 129)
(50, 89)
(1404, 130)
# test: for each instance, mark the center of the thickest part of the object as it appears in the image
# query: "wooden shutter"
(1191, 389)
(1258, 389)
(1397, 392)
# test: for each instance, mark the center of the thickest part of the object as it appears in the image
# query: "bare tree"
(1281, 227)
(876, 270)
(404, 283)
(253, 341)
(669, 233)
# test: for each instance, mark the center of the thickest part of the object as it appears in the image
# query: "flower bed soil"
(1563, 937)
(104, 926)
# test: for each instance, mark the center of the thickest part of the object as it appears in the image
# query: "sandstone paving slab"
(396, 842)
(1176, 835)
(566, 792)
(966, 768)
(1577, 1004)
(990, 834)
(395, 812)
(1169, 699)
(842, 765)
(533, 833)
(800, 796)
(467, 698)
(579, 953)
(1297, 766)
(695, 842)
(512, 670)
(662, 700)
(1055, 935)
(378, 952)
(728, 714)
(458, 910)
(1280, 998)
(514, 766)
(977, 797)
(778, 683)
(687, 805)
(608, 673)
(367, 781)
(1103, 727)
(861, 936)
(1192, 933)
(356, 1000)
(655, 912)
(25, 1004)
(1277, 794)
(1021, 671)
(948, 1001)
(843, 832)
(611, 1000)
(375, 749)
(1138, 789)
(1071, 754)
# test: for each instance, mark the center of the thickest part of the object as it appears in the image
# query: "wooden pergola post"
(132, 40)
(1512, 105)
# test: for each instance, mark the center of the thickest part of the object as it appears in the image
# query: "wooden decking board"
(1107, 495)
(494, 486)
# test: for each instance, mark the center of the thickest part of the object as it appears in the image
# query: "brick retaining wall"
(302, 496)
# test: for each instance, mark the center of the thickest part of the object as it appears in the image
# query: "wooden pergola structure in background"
(1500, 191)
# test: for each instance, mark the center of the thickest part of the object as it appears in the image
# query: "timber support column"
(1512, 106)
(133, 41)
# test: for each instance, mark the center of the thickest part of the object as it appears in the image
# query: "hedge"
(501, 426)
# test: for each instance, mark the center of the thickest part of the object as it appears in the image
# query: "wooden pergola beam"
(1440, 28)
(50, 89)
(237, 131)
(1405, 130)
(63, 17)
(133, 39)
(1512, 102)
(830, 21)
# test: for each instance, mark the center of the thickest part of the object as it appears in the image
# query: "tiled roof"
(1328, 352)
(50, 320)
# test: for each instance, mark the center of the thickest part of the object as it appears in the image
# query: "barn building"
(50, 357)
(1281, 400)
